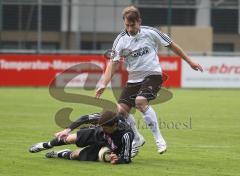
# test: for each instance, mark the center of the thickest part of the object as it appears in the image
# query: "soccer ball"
(104, 154)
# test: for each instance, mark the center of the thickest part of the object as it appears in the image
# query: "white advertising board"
(219, 72)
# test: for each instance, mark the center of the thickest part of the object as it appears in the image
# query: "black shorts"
(91, 141)
(148, 88)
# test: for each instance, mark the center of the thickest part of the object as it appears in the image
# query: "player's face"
(132, 26)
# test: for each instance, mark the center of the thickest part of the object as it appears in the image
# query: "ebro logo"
(224, 69)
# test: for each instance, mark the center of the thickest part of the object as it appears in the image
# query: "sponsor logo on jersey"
(140, 52)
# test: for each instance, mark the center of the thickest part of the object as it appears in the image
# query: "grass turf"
(200, 126)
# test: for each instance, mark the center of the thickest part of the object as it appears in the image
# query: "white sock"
(131, 121)
(150, 118)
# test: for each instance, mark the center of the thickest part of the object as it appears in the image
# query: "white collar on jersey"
(134, 35)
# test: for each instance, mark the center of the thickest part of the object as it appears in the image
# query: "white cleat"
(54, 154)
(136, 144)
(162, 148)
(37, 148)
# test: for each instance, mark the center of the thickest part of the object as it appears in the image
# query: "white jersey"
(143, 59)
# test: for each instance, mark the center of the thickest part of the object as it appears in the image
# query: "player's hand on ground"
(99, 91)
(113, 158)
(62, 134)
(196, 66)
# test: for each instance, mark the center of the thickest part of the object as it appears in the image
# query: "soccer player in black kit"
(109, 130)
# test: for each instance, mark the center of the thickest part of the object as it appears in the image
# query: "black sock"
(58, 142)
(65, 155)
(46, 145)
(54, 142)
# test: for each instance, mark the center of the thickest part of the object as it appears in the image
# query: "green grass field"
(204, 141)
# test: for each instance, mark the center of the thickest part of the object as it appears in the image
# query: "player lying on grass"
(110, 131)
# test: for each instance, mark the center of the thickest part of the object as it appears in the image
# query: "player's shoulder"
(119, 37)
(149, 29)
(122, 33)
(124, 126)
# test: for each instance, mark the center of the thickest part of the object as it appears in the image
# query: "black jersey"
(120, 141)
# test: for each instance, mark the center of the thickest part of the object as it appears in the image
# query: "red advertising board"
(40, 70)
(172, 67)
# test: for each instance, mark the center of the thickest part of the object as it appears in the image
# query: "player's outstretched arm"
(179, 51)
(92, 118)
(62, 134)
(109, 72)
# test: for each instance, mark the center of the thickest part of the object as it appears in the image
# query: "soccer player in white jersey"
(139, 47)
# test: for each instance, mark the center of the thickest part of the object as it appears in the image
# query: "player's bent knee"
(71, 139)
(75, 154)
(141, 103)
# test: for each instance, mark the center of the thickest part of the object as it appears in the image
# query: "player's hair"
(131, 13)
(108, 118)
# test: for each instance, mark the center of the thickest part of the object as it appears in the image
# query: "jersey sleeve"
(160, 37)
(125, 154)
(117, 47)
(92, 118)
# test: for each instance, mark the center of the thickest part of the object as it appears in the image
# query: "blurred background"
(60, 43)
(199, 26)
